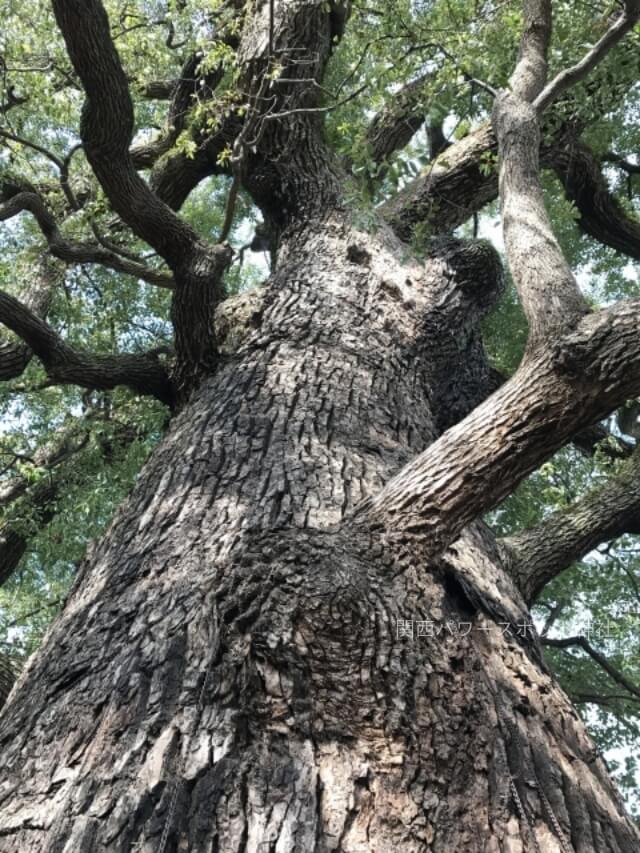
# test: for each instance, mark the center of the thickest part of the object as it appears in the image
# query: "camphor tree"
(234, 668)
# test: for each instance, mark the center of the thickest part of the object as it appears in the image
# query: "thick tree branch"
(36, 502)
(190, 86)
(547, 288)
(7, 677)
(597, 438)
(16, 355)
(396, 124)
(600, 214)
(177, 175)
(143, 372)
(34, 505)
(106, 130)
(590, 439)
(280, 155)
(539, 554)
(159, 90)
(14, 536)
(79, 253)
(586, 374)
(455, 185)
(462, 180)
(578, 367)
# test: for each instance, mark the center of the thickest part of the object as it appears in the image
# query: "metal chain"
(524, 817)
(564, 843)
(511, 728)
(562, 838)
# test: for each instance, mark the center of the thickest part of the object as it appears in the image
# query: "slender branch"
(581, 642)
(79, 253)
(553, 615)
(40, 149)
(570, 76)
(143, 372)
(13, 100)
(62, 165)
(622, 163)
(606, 700)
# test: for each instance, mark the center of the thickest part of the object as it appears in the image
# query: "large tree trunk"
(230, 673)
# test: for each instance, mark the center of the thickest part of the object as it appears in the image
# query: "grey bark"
(229, 671)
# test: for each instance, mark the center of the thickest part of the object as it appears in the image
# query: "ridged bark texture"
(232, 670)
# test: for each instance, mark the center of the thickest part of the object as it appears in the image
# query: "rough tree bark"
(233, 669)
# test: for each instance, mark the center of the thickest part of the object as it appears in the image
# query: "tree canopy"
(85, 295)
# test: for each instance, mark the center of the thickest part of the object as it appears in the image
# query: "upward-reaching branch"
(106, 130)
(548, 290)
(623, 24)
(571, 374)
(107, 127)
